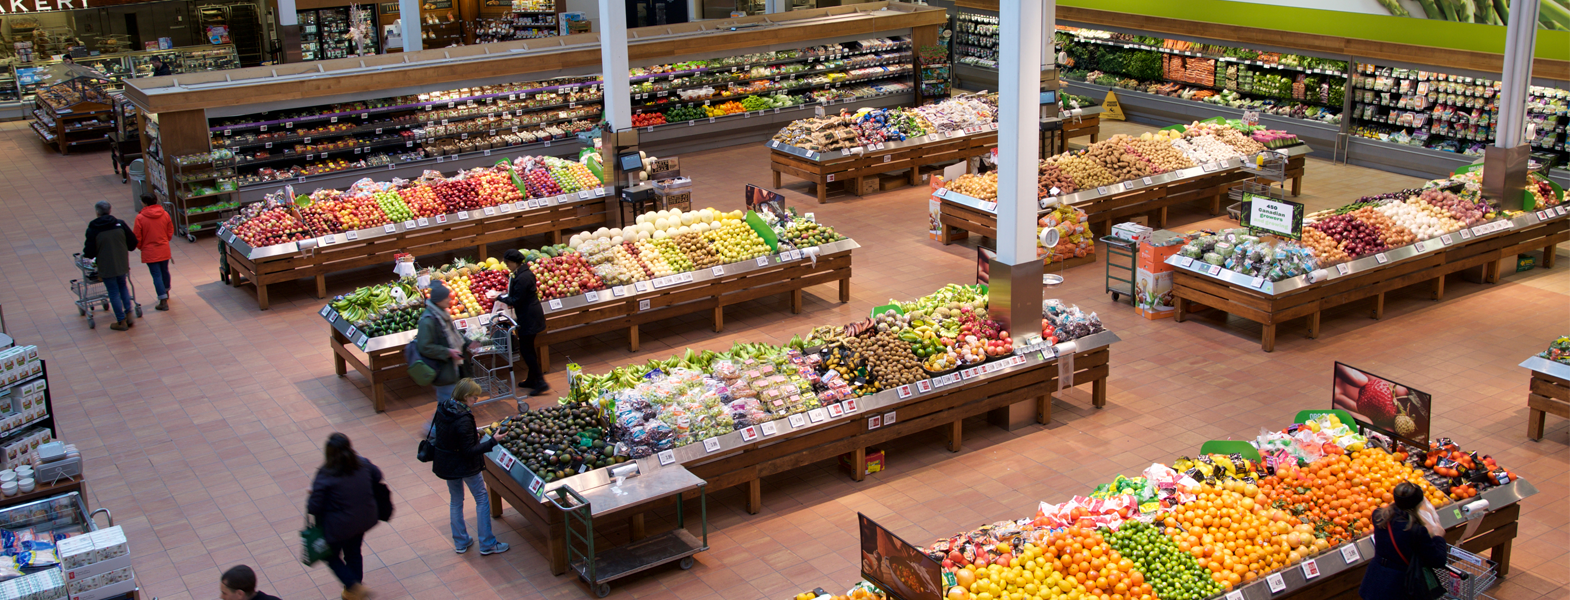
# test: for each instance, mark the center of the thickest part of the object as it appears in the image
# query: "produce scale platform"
(380, 359)
(743, 457)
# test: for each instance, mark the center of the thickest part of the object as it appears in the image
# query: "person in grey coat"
(439, 341)
(110, 241)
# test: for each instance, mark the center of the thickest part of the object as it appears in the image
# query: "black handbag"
(384, 504)
(1421, 583)
(427, 450)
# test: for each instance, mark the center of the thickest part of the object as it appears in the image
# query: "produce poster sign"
(1263, 214)
(1388, 406)
(896, 566)
(767, 202)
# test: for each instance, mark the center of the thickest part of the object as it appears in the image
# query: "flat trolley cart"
(91, 294)
(1467, 575)
(598, 569)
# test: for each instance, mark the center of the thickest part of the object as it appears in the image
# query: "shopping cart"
(1467, 575)
(492, 362)
(90, 291)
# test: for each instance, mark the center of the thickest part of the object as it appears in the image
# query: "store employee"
(524, 299)
(159, 68)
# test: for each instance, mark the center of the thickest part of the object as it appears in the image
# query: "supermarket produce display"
(668, 263)
(1123, 176)
(1549, 389)
(1365, 249)
(289, 236)
(859, 147)
(730, 417)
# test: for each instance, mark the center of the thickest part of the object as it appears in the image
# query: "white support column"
(1019, 87)
(613, 63)
(1516, 80)
(409, 22)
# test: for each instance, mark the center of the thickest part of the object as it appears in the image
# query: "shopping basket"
(1467, 575)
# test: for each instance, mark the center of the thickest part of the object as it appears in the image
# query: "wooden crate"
(381, 365)
(793, 448)
(456, 234)
(856, 170)
(1088, 125)
(1549, 395)
(1189, 288)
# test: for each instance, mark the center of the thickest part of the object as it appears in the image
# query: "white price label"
(874, 422)
(352, 235)
(507, 461)
(817, 415)
(1310, 569)
(1258, 283)
(768, 429)
(1381, 258)
(1102, 190)
(797, 421)
(556, 304)
(1185, 262)
(1344, 268)
(643, 304)
(584, 195)
(389, 228)
(1128, 185)
(441, 219)
(593, 296)
(749, 434)
(1446, 239)
(1149, 181)
(717, 271)
(1349, 554)
(490, 211)
(1466, 234)
(888, 418)
(763, 261)
(924, 386)
(1276, 583)
(423, 221)
(409, 224)
(849, 405)
(830, 177)
(641, 286)
(326, 240)
(463, 215)
(836, 411)
(1214, 270)
(904, 391)
(711, 445)
(1235, 595)
(1421, 247)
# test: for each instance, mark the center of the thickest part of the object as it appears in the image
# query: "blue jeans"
(444, 392)
(482, 512)
(160, 272)
(119, 297)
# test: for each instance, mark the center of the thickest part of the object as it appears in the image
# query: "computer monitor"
(630, 161)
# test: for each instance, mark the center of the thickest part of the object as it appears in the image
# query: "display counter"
(743, 457)
(380, 359)
(1270, 303)
(861, 169)
(1549, 393)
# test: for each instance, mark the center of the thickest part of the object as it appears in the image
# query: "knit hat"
(439, 292)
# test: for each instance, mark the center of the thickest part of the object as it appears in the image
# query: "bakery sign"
(22, 7)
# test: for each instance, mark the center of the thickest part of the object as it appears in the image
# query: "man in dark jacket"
(161, 68)
(239, 583)
(460, 456)
(523, 296)
(110, 241)
(343, 501)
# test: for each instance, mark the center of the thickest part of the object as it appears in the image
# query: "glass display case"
(9, 92)
(310, 38)
(73, 108)
(196, 59)
(329, 33)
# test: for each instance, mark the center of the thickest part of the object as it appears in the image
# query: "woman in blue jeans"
(460, 456)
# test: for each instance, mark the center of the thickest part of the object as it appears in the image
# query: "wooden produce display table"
(862, 168)
(1549, 395)
(1273, 303)
(743, 457)
(316, 258)
(381, 359)
(1085, 124)
(76, 484)
(1104, 206)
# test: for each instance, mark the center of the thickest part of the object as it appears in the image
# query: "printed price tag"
(904, 391)
(830, 177)
(1349, 554)
(583, 195)
(463, 215)
(667, 457)
(1381, 258)
(643, 304)
(749, 434)
(836, 411)
(763, 261)
(874, 422)
(532, 204)
(1446, 239)
(641, 286)
(924, 386)
(849, 405)
(888, 418)
(389, 228)
(797, 421)
(506, 208)
(1276, 583)
(441, 219)
(507, 461)
(592, 296)
(325, 310)
(1128, 185)
(326, 240)
(1185, 262)
(332, 317)
(1466, 235)
(1421, 247)
(423, 221)
(989, 206)
(817, 415)
(1209, 167)
(1102, 190)
(556, 304)
(1149, 181)
(1214, 270)
(1559, 211)
(1235, 595)
(1257, 283)
(409, 224)
(1310, 569)
(619, 291)
(717, 271)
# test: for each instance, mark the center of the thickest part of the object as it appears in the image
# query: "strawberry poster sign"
(1388, 406)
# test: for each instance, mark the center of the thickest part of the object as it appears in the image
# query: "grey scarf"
(449, 328)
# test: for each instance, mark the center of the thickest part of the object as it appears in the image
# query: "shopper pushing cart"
(109, 244)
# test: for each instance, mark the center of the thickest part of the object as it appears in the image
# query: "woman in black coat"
(524, 299)
(1404, 530)
(460, 456)
(343, 500)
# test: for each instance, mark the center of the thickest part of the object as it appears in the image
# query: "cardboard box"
(108, 591)
(97, 568)
(1153, 282)
(874, 461)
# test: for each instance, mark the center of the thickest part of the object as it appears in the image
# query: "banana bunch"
(825, 335)
(371, 301)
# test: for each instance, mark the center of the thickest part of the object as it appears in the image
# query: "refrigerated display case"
(328, 33)
(310, 44)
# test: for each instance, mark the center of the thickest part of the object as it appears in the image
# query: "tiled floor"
(203, 425)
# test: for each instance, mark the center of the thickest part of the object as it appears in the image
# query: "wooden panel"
(1550, 386)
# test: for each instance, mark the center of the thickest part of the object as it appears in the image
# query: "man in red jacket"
(154, 229)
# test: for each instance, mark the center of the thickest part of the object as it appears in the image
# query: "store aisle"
(202, 425)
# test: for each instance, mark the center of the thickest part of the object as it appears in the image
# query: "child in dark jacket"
(460, 457)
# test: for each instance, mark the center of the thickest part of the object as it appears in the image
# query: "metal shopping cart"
(90, 291)
(492, 363)
(1467, 575)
